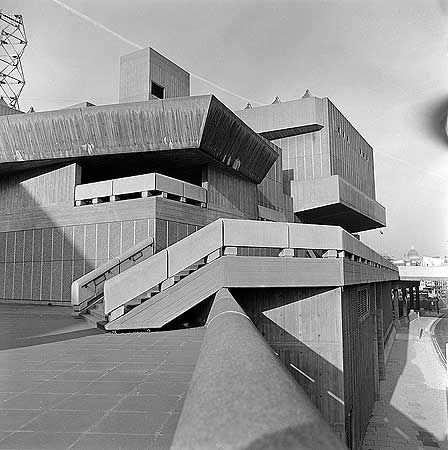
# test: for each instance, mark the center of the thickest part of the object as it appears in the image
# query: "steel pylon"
(12, 45)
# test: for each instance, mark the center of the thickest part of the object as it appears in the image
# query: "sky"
(383, 63)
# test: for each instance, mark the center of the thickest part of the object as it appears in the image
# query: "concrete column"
(376, 374)
(380, 340)
(405, 304)
(396, 307)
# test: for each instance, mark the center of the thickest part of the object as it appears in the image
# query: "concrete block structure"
(138, 214)
(329, 164)
(148, 75)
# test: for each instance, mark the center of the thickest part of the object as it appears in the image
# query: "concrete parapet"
(241, 396)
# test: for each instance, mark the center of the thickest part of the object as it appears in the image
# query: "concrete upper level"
(330, 165)
(187, 131)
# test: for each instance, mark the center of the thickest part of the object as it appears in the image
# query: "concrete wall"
(304, 327)
(39, 265)
(351, 156)
(360, 371)
(139, 68)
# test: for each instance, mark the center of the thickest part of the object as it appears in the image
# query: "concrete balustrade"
(198, 245)
(135, 281)
(91, 191)
(131, 185)
(321, 237)
(196, 193)
(223, 237)
(241, 396)
(253, 233)
(169, 185)
(151, 182)
(91, 285)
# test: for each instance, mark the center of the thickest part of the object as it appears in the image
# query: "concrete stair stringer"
(230, 272)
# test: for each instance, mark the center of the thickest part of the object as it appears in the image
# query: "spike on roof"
(307, 94)
(276, 100)
(249, 106)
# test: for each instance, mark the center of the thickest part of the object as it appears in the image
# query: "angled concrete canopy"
(200, 128)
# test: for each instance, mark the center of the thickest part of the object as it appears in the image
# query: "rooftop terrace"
(65, 385)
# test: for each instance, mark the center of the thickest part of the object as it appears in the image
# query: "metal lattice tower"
(12, 45)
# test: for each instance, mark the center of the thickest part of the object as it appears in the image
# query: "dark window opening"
(157, 90)
(101, 168)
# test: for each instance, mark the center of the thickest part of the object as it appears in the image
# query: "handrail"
(223, 233)
(90, 286)
(140, 183)
(241, 396)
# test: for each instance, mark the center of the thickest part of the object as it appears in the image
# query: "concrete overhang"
(417, 273)
(287, 119)
(333, 201)
(199, 129)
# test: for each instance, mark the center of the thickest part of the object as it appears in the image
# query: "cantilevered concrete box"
(330, 165)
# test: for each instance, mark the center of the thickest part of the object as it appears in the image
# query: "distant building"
(411, 258)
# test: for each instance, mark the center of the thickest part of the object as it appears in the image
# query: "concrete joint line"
(228, 312)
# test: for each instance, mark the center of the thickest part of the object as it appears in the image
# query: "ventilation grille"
(363, 304)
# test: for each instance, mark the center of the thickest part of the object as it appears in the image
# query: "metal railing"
(242, 396)
(89, 289)
(224, 236)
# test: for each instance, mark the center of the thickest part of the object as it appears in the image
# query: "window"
(363, 304)
(157, 90)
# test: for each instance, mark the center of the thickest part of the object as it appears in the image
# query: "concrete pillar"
(376, 375)
(405, 304)
(380, 341)
(396, 307)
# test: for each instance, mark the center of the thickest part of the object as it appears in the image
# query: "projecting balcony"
(333, 201)
(140, 186)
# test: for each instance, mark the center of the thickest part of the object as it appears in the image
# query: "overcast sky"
(383, 63)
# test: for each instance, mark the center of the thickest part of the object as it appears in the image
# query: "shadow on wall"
(39, 259)
(317, 367)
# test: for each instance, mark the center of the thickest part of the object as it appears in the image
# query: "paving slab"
(412, 410)
(66, 385)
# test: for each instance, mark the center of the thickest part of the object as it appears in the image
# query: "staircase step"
(98, 322)
(153, 291)
(128, 307)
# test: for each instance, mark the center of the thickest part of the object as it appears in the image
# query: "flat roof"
(201, 126)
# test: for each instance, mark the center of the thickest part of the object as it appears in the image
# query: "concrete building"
(329, 165)
(142, 214)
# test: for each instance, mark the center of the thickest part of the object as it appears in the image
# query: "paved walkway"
(65, 385)
(412, 410)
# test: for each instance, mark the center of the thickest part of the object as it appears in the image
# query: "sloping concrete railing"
(241, 395)
(223, 237)
(88, 288)
(144, 184)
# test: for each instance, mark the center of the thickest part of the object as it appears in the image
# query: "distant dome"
(413, 253)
